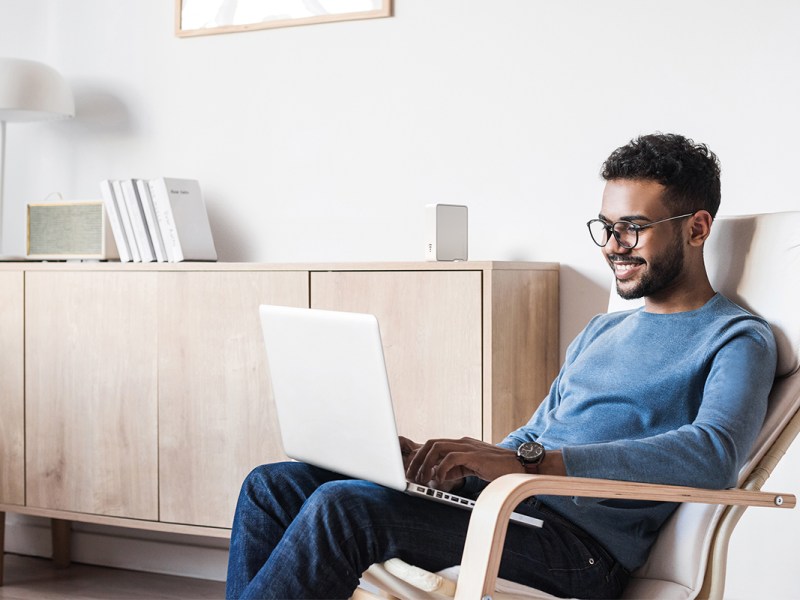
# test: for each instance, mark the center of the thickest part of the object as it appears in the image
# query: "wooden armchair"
(755, 261)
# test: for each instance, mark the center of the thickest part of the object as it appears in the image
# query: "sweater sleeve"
(531, 431)
(707, 452)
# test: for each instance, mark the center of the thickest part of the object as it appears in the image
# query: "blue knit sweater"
(660, 398)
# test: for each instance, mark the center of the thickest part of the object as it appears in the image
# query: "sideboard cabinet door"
(12, 399)
(91, 421)
(216, 416)
(431, 332)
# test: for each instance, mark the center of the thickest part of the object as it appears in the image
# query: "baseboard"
(137, 550)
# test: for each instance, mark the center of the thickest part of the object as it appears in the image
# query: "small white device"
(445, 232)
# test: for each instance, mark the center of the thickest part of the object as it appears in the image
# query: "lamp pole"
(29, 91)
(2, 177)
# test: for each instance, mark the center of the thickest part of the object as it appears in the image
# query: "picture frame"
(207, 17)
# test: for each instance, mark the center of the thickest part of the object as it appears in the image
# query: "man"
(672, 393)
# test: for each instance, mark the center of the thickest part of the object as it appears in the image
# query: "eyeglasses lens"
(626, 235)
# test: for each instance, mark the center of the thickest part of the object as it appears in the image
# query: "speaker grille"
(65, 229)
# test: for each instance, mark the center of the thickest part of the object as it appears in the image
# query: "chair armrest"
(489, 520)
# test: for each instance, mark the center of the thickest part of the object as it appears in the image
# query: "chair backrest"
(755, 261)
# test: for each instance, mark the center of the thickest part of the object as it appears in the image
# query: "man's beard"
(659, 275)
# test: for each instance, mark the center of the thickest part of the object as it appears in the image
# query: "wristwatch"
(530, 453)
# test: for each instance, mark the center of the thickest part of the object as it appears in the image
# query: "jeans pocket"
(592, 575)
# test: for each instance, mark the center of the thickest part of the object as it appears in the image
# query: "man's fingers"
(454, 466)
(421, 468)
(487, 464)
(427, 464)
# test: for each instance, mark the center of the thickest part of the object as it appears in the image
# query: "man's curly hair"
(690, 172)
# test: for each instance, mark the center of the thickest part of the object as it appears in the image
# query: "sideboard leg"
(61, 533)
(2, 543)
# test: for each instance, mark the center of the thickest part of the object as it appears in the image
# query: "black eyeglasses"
(626, 233)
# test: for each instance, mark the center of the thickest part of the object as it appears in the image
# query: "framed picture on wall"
(203, 17)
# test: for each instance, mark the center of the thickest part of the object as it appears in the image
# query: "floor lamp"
(29, 91)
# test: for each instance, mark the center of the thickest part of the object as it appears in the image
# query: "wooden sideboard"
(137, 395)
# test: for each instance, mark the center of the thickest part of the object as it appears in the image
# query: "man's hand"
(444, 463)
(408, 449)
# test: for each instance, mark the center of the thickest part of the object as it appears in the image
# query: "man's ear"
(700, 224)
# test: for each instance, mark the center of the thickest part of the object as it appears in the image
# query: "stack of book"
(162, 220)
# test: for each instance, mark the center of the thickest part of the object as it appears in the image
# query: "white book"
(150, 219)
(183, 219)
(126, 220)
(136, 213)
(112, 210)
(166, 224)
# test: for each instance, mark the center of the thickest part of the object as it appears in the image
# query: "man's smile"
(625, 267)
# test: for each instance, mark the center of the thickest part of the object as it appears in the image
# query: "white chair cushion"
(679, 557)
(394, 583)
(755, 260)
(401, 580)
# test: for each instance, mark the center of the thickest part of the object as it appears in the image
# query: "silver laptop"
(332, 398)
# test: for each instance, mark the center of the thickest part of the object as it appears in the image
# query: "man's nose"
(614, 247)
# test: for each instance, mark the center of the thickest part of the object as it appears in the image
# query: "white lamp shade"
(32, 91)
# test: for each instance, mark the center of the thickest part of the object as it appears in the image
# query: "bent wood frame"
(489, 522)
(385, 10)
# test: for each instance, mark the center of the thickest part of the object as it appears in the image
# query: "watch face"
(530, 452)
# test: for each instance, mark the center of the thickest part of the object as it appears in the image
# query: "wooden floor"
(27, 578)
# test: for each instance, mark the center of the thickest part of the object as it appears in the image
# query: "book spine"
(137, 221)
(126, 221)
(151, 219)
(110, 202)
(161, 203)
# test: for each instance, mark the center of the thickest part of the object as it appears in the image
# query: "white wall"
(323, 143)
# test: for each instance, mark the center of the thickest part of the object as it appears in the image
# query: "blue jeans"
(303, 532)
